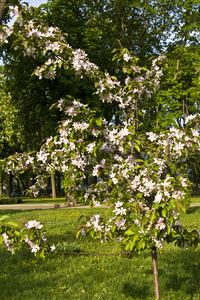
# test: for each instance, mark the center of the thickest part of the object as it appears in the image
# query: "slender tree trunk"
(18, 188)
(1, 185)
(10, 180)
(58, 184)
(53, 185)
(155, 273)
(3, 3)
(183, 113)
(177, 67)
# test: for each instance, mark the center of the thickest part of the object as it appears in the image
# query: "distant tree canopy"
(146, 28)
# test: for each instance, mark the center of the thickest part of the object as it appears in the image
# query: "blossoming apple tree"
(142, 178)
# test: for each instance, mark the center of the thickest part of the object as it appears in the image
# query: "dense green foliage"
(7, 200)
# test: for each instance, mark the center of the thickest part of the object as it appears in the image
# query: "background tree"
(146, 28)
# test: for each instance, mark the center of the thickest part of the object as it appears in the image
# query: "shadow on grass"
(11, 212)
(179, 271)
(192, 210)
(132, 290)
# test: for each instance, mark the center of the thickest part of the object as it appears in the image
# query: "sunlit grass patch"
(67, 276)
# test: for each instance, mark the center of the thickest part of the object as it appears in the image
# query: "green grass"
(43, 200)
(195, 199)
(61, 200)
(95, 277)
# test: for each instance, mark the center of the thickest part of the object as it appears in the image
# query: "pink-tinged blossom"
(51, 74)
(178, 194)
(127, 57)
(120, 211)
(151, 136)
(96, 203)
(80, 125)
(95, 132)
(195, 132)
(137, 222)
(118, 204)
(90, 147)
(53, 247)
(16, 11)
(184, 182)
(79, 162)
(34, 248)
(60, 104)
(39, 72)
(96, 170)
(121, 223)
(6, 240)
(158, 243)
(127, 80)
(158, 197)
(33, 224)
(190, 118)
(167, 182)
(160, 224)
(95, 220)
(80, 62)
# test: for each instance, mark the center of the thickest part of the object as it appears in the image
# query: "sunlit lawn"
(76, 277)
(195, 199)
(43, 200)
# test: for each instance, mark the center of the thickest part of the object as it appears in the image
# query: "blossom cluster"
(15, 238)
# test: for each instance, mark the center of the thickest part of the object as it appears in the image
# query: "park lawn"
(44, 200)
(66, 276)
(60, 200)
(195, 199)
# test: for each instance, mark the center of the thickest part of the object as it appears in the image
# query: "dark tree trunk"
(3, 3)
(18, 188)
(1, 185)
(10, 180)
(58, 184)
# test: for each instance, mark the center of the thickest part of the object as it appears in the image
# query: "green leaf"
(4, 217)
(60, 64)
(91, 233)
(109, 234)
(129, 232)
(137, 148)
(12, 224)
(164, 213)
(156, 206)
(25, 44)
(113, 228)
(99, 122)
(79, 232)
(130, 245)
(153, 216)
(133, 241)
(168, 229)
(141, 245)
(137, 141)
(129, 137)
(109, 183)
(16, 233)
